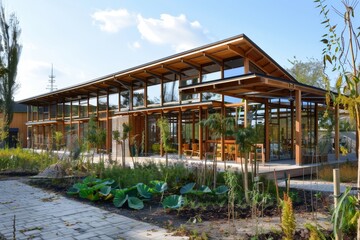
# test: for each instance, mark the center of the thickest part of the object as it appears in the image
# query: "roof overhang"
(238, 46)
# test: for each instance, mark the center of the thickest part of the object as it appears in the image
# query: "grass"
(348, 172)
(17, 159)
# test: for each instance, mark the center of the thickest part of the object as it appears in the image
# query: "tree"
(164, 126)
(219, 127)
(246, 138)
(121, 140)
(10, 51)
(340, 52)
(309, 72)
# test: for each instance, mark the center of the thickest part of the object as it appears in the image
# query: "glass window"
(208, 96)
(83, 108)
(171, 91)
(92, 105)
(53, 111)
(124, 99)
(153, 94)
(233, 67)
(255, 69)
(75, 108)
(114, 101)
(211, 72)
(102, 103)
(59, 110)
(138, 98)
(67, 109)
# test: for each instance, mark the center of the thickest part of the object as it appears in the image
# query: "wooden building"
(233, 77)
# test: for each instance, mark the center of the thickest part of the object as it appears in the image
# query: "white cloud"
(177, 31)
(136, 45)
(113, 20)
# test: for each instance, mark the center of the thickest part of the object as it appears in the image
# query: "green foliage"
(9, 59)
(58, 138)
(288, 222)
(315, 232)
(143, 190)
(173, 202)
(17, 159)
(347, 212)
(309, 72)
(348, 172)
(135, 203)
(187, 188)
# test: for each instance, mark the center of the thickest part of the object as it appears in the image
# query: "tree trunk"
(357, 111)
(246, 181)
(123, 154)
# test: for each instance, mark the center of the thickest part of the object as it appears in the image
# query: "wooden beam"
(213, 59)
(236, 50)
(267, 132)
(191, 64)
(173, 70)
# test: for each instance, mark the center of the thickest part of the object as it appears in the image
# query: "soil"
(212, 221)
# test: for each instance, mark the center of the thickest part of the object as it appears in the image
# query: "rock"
(53, 171)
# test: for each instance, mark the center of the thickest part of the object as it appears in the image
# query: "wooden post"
(298, 128)
(267, 132)
(201, 141)
(146, 142)
(336, 177)
(337, 138)
(180, 150)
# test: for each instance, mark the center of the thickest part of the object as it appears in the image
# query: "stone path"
(45, 215)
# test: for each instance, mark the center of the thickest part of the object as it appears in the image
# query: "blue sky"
(86, 39)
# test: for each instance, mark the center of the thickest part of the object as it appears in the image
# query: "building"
(17, 133)
(233, 77)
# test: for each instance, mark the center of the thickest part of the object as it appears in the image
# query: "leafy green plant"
(315, 232)
(173, 202)
(347, 213)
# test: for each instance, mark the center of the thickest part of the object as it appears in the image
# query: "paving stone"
(64, 218)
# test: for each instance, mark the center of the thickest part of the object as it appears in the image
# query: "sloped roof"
(239, 45)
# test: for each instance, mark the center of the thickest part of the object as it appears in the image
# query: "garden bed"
(212, 220)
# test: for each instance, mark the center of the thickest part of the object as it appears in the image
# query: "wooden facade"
(233, 77)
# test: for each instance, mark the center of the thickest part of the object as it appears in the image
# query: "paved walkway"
(44, 215)
(319, 186)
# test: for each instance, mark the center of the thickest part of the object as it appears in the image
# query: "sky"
(87, 39)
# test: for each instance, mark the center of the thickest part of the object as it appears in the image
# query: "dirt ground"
(212, 221)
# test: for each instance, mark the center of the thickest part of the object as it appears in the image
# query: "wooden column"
(222, 137)
(267, 132)
(180, 150)
(337, 133)
(108, 126)
(292, 150)
(246, 65)
(146, 142)
(316, 126)
(298, 128)
(201, 140)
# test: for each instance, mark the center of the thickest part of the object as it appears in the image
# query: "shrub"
(17, 159)
(348, 172)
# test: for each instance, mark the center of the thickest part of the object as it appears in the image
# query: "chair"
(195, 149)
(186, 149)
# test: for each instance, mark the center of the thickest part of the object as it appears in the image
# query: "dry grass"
(348, 172)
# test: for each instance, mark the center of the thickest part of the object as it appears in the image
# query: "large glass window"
(92, 105)
(154, 94)
(60, 108)
(75, 108)
(114, 101)
(102, 103)
(67, 109)
(211, 72)
(138, 98)
(193, 97)
(124, 99)
(233, 67)
(84, 108)
(53, 111)
(171, 91)
(208, 96)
